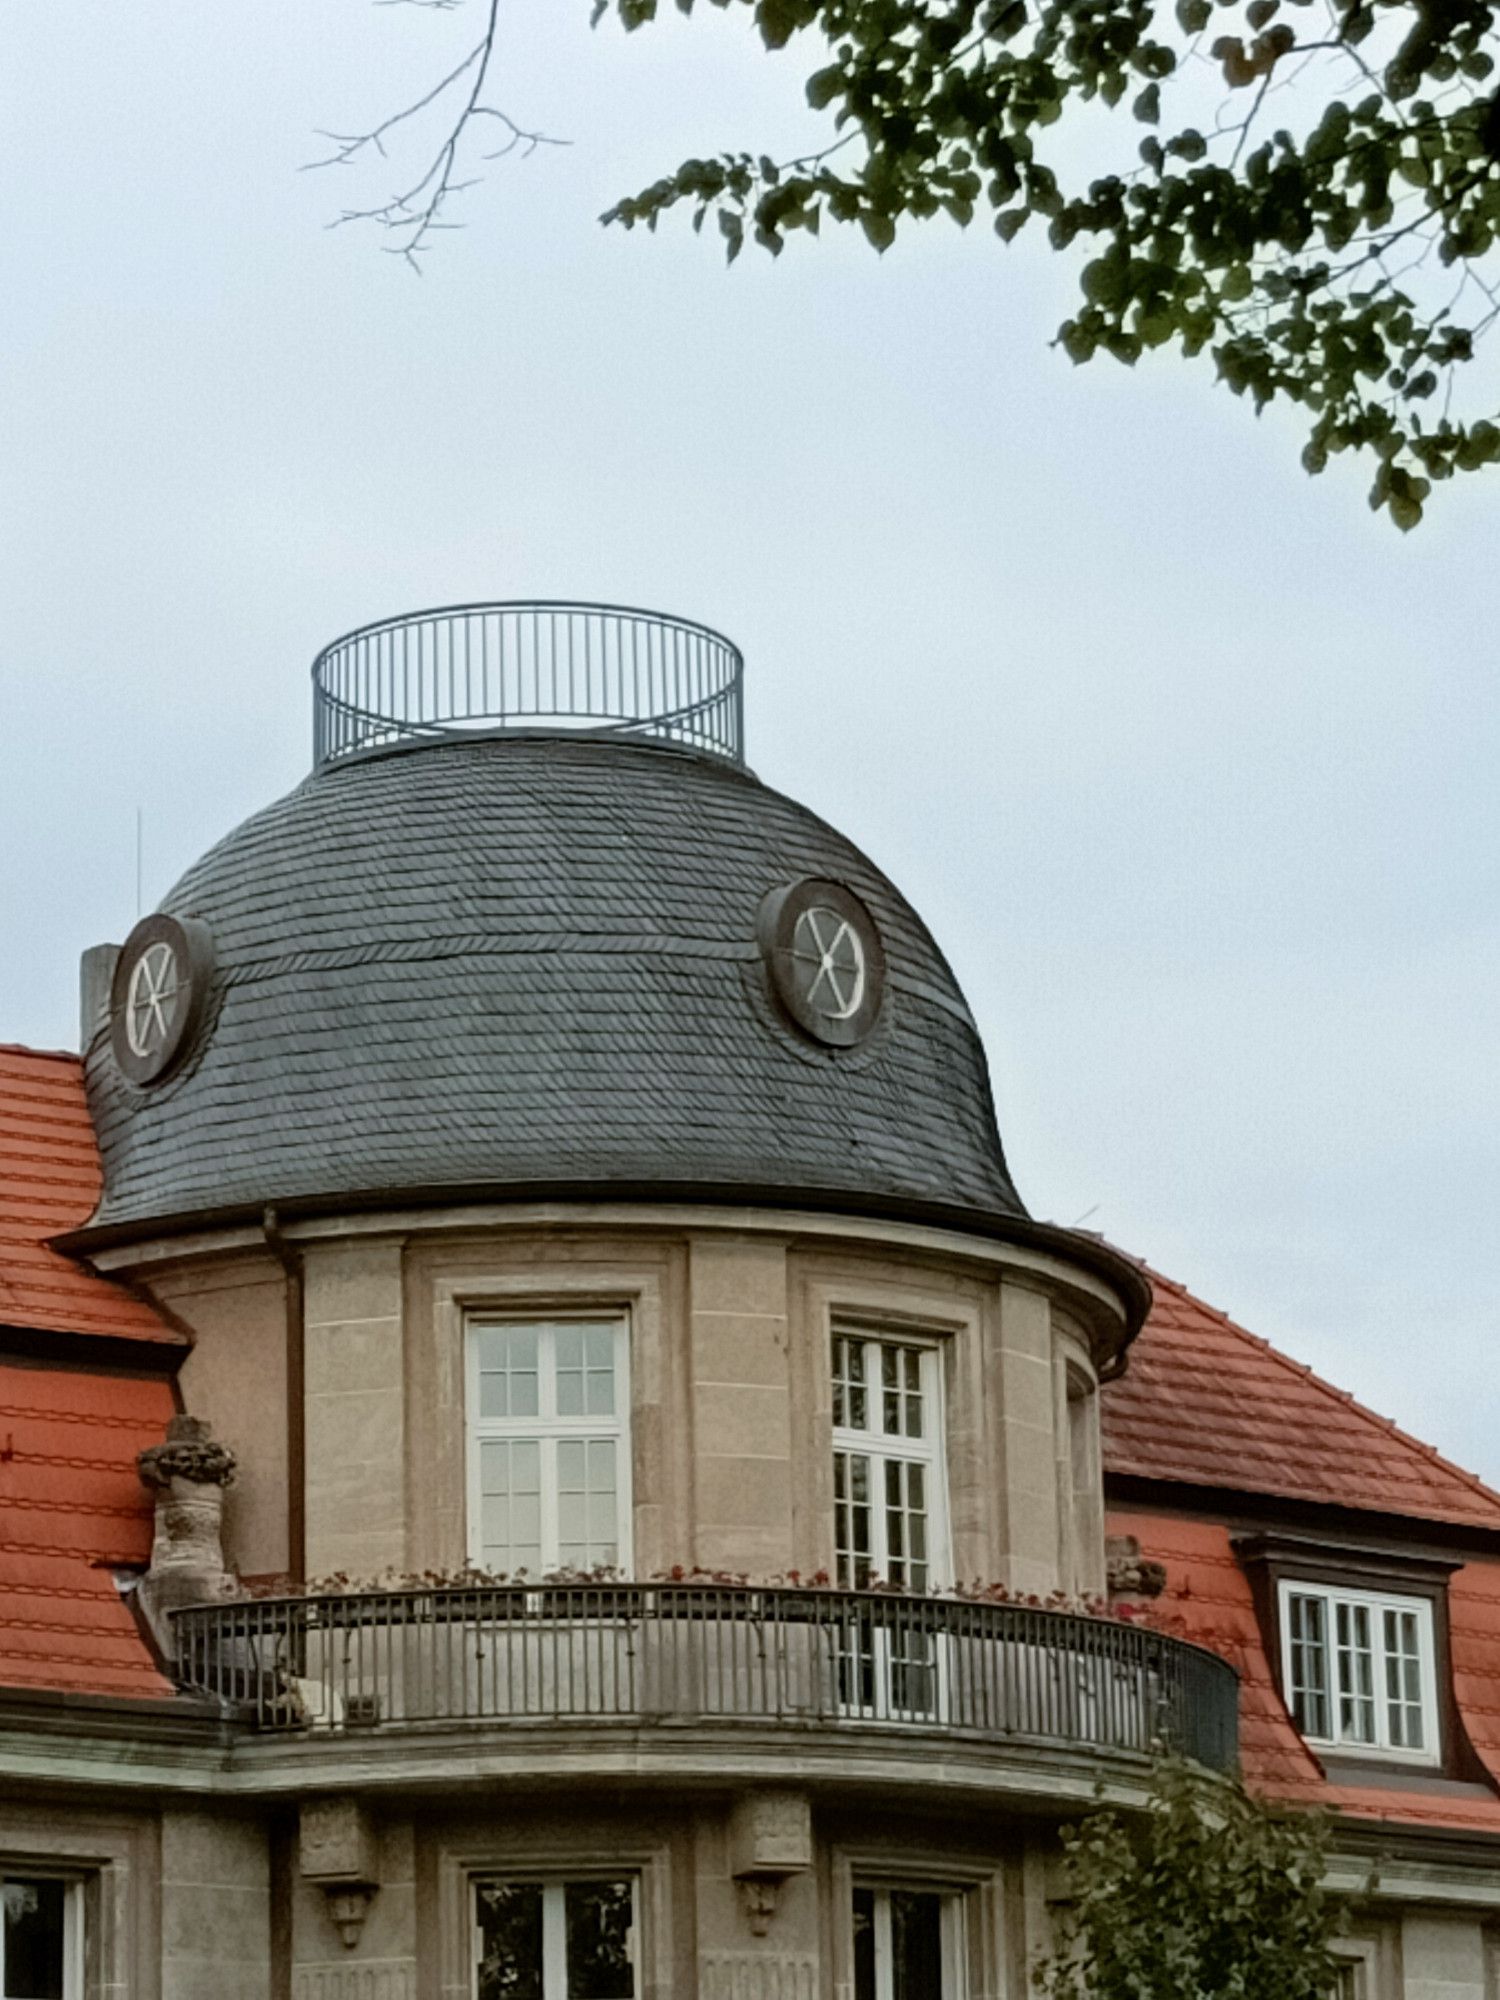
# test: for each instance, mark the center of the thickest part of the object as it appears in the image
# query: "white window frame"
(1377, 1603)
(548, 1429)
(1354, 1978)
(20, 1871)
(554, 1888)
(929, 1451)
(954, 1934)
(887, 1663)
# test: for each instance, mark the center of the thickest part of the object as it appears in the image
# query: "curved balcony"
(658, 1656)
(600, 669)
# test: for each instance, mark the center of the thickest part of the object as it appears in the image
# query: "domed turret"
(531, 928)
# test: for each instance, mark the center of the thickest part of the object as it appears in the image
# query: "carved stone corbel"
(770, 1838)
(337, 1848)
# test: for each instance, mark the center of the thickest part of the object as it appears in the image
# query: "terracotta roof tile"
(1204, 1403)
(72, 1511)
(1208, 1599)
(49, 1182)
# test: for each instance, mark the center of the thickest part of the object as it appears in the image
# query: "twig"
(417, 213)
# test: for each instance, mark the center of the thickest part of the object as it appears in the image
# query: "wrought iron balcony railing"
(649, 1654)
(596, 668)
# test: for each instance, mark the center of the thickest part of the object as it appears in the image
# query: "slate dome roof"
(519, 965)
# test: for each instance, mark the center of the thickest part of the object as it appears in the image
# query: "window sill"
(1380, 1774)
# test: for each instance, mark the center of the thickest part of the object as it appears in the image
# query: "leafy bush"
(1210, 1895)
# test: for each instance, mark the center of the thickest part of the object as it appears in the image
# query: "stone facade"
(341, 1866)
(339, 1863)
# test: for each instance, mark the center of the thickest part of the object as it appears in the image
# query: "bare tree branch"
(413, 216)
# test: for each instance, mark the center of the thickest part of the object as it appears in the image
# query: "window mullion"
(1379, 1675)
(880, 1546)
(554, 1942)
(546, 1373)
(885, 1971)
(547, 1459)
(73, 1963)
(955, 1947)
(474, 1483)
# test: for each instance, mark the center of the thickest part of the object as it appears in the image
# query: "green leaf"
(824, 85)
(880, 229)
(1147, 106)
(1106, 281)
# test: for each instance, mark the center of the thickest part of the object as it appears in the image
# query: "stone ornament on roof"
(188, 1452)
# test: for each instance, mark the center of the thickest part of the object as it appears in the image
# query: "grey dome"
(529, 965)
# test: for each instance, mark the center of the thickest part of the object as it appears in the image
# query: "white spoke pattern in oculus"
(830, 943)
(152, 1000)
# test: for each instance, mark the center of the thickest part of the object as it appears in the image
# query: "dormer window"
(1358, 1670)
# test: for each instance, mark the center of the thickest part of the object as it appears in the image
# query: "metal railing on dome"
(642, 1654)
(546, 666)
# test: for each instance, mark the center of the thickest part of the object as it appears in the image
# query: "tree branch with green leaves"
(1327, 236)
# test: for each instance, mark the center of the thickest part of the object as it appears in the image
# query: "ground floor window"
(37, 1943)
(554, 1940)
(908, 1945)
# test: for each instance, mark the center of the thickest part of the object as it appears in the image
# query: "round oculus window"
(825, 958)
(158, 993)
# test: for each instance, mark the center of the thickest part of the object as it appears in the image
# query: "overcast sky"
(1189, 761)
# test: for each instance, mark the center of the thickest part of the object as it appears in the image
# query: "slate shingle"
(508, 963)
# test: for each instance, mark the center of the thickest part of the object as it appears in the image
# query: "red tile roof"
(49, 1182)
(72, 1510)
(1204, 1403)
(1208, 1599)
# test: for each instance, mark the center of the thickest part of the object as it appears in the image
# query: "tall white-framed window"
(890, 1498)
(41, 1937)
(1359, 1670)
(890, 1517)
(908, 1944)
(555, 1940)
(549, 1444)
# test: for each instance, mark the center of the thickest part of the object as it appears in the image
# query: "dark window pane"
(510, 1940)
(599, 1917)
(917, 1945)
(864, 1944)
(33, 1938)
